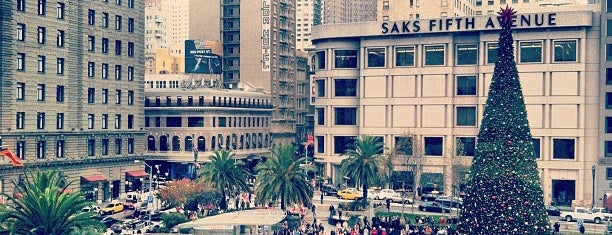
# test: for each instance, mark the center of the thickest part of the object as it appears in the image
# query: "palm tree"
(282, 177)
(365, 162)
(226, 174)
(45, 208)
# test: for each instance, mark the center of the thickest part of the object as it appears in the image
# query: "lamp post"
(593, 170)
(150, 185)
(195, 163)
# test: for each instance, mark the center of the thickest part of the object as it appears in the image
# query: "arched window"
(201, 144)
(188, 143)
(176, 143)
(151, 143)
(227, 142)
(241, 141)
(212, 143)
(163, 143)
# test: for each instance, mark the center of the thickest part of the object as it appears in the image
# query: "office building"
(346, 11)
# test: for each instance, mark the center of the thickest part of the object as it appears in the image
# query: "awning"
(136, 174)
(93, 178)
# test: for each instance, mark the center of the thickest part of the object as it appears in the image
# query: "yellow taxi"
(349, 194)
(112, 208)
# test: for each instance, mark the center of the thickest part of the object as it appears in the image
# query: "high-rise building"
(347, 11)
(72, 91)
(308, 14)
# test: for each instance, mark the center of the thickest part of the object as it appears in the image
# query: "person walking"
(557, 226)
(321, 197)
(388, 205)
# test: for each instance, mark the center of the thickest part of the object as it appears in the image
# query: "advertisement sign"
(265, 35)
(200, 60)
(313, 89)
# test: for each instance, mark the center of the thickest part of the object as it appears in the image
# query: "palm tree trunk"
(365, 188)
(223, 203)
(283, 207)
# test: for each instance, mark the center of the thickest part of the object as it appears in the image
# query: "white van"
(132, 197)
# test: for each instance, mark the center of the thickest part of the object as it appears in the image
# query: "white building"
(430, 77)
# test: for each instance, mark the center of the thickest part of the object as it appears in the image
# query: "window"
(536, 147)
(105, 96)
(59, 121)
(563, 148)
(492, 52)
(609, 6)
(465, 146)
(404, 56)
(41, 64)
(404, 145)
(196, 122)
(60, 38)
(104, 147)
(20, 61)
(376, 57)
(320, 142)
(118, 2)
(61, 8)
(20, 149)
(117, 96)
(91, 95)
(105, 121)
(177, 122)
(40, 92)
(91, 147)
(42, 4)
(345, 59)
(531, 52)
(478, 2)
(20, 120)
(608, 148)
(59, 95)
(433, 146)
(117, 121)
(345, 116)
(434, 55)
(90, 121)
(345, 87)
(608, 76)
(91, 67)
(608, 125)
(608, 100)
(131, 25)
(91, 17)
(20, 91)
(130, 73)
(130, 49)
(21, 5)
(104, 45)
(117, 47)
(117, 146)
(608, 169)
(158, 121)
(608, 52)
(60, 147)
(130, 145)
(320, 59)
(466, 116)
(42, 33)
(41, 149)
(565, 51)
(343, 143)
(118, 72)
(130, 3)
(105, 19)
(91, 42)
(118, 22)
(105, 71)
(467, 54)
(40, 121)
(466, 85)
(130, 122)
(130, 97)
(321, 88)
(320, 116)
(60, 66)
(21, 32)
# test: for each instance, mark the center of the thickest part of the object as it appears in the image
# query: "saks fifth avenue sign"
(536, 20)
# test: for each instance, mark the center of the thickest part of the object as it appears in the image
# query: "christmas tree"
(504, 195)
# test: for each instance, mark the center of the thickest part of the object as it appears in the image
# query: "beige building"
(347, 11)
(386, 80)
(308, 14)
(72, 92)
(187, 124)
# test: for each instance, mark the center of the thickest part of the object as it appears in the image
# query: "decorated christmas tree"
(504, 195)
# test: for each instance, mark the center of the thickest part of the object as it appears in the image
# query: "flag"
(14, 159)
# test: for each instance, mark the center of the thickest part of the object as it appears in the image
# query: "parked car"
(92, 208)
(117, 228)
(383, 194)
(581, 213)
(434, 207)
(139, 214)
(553, 211)
(329, 190)
(349, 194)
(109, 221)
(450, 201)
(112, 208)
(428, 197)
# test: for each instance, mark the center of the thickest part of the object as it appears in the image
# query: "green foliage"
(225, 174)
(355, 205)
(281, 178)
(206, 197)
(45, 209)
(173, 219)
(504, 195)
(365, 162)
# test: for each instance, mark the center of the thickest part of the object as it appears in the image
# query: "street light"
(593, 169)
(150, 185)
(195, 163)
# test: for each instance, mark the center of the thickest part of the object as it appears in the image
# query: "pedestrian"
(557, 226)
(314, 209)
(581, 229)
(321, 197)
(388, 205)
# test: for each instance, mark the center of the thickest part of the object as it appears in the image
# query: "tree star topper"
(506, 15)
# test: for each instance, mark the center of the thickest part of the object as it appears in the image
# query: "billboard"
(201, 60)
(265, 35)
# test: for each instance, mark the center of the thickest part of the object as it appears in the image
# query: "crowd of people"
(394, 226)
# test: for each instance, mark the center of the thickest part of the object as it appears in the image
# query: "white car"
(92, 208)
(385, 194)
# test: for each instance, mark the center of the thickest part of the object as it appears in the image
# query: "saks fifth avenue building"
(429, 78)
